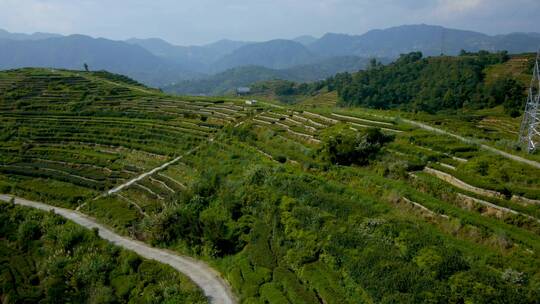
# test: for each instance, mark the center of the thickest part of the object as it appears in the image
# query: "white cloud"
(458, 6)
(199, 21)
(28, 15)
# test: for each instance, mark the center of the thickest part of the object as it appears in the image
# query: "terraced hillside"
(68, 137)
(424, 218)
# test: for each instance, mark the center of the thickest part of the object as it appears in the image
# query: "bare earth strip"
(485, 147)
(153, 171)
(215, 288)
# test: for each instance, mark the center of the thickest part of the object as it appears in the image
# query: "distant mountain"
(225, 46)
(224, 81)
(72, 52)
(334, 45)
(197, 58)
(18, 36)
(430, 40)
(386, 43)
(157, 62)
(532, 34)
(325, 68)
(247, 75)
(275, 54)
(517, 42)
(305, 39)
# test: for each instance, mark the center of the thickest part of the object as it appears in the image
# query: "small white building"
(251, 102)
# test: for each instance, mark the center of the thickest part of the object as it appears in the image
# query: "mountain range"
(20, 36)
(227, 81)
(157, 62)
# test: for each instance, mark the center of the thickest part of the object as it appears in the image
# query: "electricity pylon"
(529, 134)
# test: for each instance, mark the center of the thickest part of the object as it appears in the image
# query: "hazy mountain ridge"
(232, 78)
(20, 36)
(72, 52)
(276, 54)
(157, 62)
(305, 39)
(197, 58)
(430, 40)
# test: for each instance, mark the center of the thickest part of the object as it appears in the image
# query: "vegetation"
(431, 84)
(116, 78)
(228, 81)
(48, 260)
(346, 147)
(297, 203)
(412, 83)
(285, 233)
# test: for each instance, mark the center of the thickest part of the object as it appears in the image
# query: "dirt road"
(485, 147)
(215, 288)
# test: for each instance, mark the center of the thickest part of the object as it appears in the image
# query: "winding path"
(215, 288)
(485, 147)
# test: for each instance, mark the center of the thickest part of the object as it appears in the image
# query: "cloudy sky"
(202, 21)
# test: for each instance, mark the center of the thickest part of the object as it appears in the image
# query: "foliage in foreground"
(45, 259)
(285, 235)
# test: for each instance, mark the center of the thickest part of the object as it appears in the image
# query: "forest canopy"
(415, 83)
(432, 84)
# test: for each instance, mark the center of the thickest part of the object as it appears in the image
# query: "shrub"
(342, 146)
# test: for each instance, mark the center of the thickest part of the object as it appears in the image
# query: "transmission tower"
(529, 134)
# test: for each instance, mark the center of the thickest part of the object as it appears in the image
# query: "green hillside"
(306, 203)
(436, 84)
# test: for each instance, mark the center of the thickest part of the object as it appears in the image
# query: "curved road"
(215, 288)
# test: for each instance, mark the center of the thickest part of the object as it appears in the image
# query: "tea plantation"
(305, 203)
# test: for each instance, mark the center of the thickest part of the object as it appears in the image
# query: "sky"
(191, 22)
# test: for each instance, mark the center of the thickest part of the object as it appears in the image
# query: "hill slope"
(292, 204)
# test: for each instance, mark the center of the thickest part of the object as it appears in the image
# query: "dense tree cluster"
(285, 90)
(430, 84)
(344, 146)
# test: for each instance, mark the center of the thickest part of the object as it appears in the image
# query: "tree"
(343, 146)
(86, 67)
(373, 63)
(426, 84)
